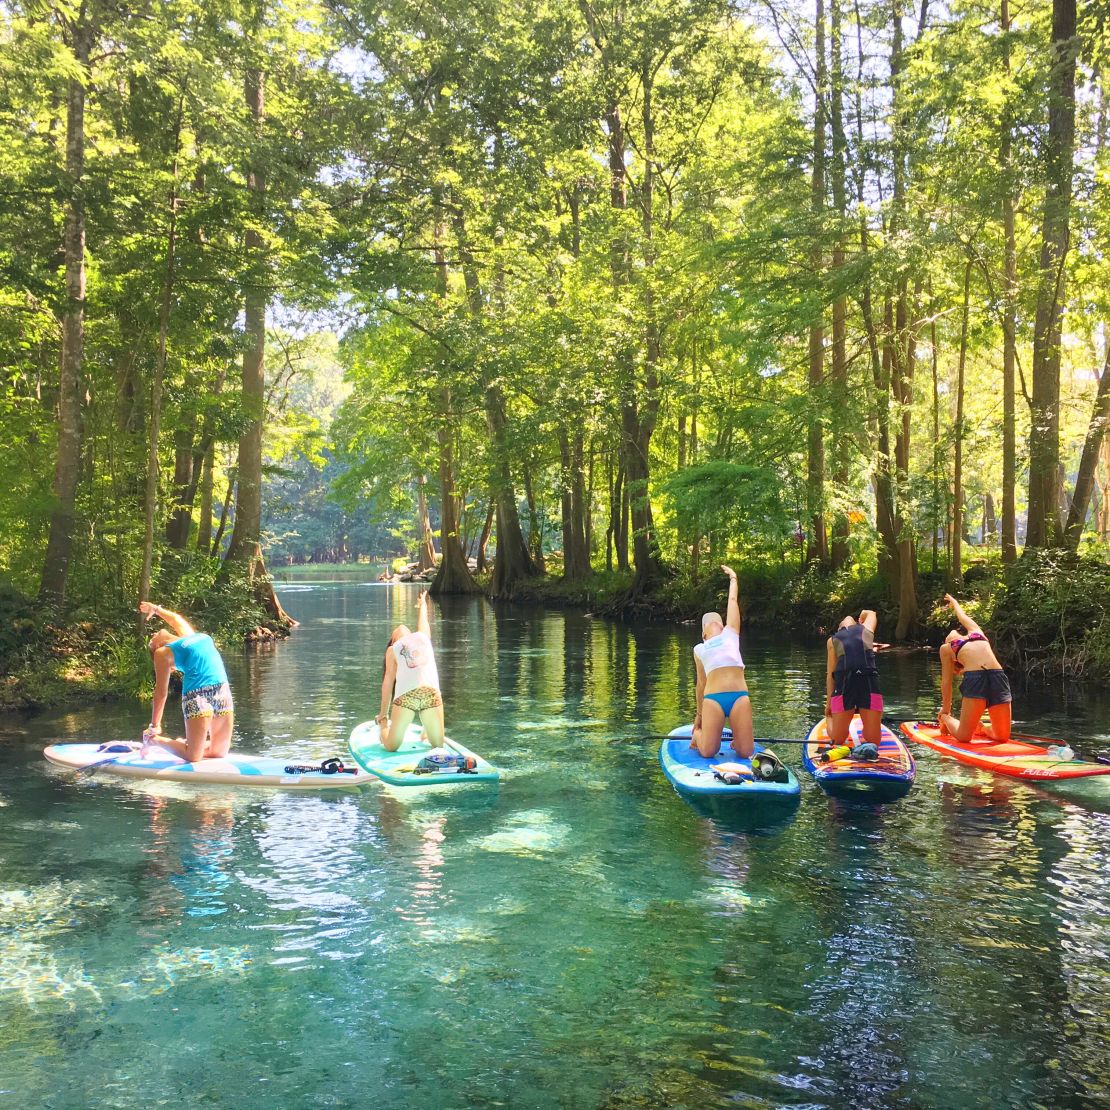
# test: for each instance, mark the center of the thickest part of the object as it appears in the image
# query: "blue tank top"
(196, 657)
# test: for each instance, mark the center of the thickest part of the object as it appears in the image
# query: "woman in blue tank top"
(205, 695)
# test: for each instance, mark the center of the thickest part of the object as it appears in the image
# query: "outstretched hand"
(422, 599)
(950, 601)
(729, 571)
(147, 608)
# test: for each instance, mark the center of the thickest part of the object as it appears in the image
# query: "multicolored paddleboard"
(234, 769)
(885, 779)
(402, 767)
(1019, 758)
(690, 773)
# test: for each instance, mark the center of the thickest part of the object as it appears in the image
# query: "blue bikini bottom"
(727, 699)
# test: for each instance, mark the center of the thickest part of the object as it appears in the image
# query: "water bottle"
(833, 754)
(1061, 752)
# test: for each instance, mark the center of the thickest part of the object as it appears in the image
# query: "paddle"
(667, 736)
(101, 762)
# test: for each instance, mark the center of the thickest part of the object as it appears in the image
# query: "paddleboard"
(1018, 758)
(234, 769)
(692, 774)
(885, 779)
(400, 768)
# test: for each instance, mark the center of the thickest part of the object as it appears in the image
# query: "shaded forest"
(591, 291)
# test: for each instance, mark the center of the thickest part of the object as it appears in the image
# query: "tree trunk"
(181, 513)
(482, 564)
(150, 499)
(1009, 318)
(513, 562)
(934, 515)
(838, 402)
(1044, 528)
(427, 557)
(248, 498)
(232, 482)
(67, 467)
(818, 547)
(955, 570)
(1092, 446)
(204, 524)
(453, 575)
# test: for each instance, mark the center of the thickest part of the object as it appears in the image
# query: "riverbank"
(88, 654)
(1048, 615)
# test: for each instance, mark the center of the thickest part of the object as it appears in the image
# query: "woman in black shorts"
(853, 680)
(985, 686)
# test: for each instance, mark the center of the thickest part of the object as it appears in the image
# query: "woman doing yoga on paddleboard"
(410, 683)
(722, 692)
(853, 680)
(205, 695)
(984, 686)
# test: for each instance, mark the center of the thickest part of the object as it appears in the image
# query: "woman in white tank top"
(722, 691)
(410, 683)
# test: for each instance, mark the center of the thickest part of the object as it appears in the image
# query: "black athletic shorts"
(992, 686)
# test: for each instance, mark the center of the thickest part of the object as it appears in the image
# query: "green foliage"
(1053, 614)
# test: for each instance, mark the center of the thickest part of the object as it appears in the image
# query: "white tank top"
(416, 663)
(722, 650)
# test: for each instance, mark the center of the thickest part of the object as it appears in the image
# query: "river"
(577, 936)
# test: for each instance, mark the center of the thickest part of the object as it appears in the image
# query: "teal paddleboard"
(401, 768)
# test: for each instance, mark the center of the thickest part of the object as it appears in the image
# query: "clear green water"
(578, 936)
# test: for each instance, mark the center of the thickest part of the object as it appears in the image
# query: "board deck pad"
(885, 779)
(692, 773)
(399, 768)
(235, 769)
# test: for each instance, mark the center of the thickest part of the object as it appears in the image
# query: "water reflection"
(581, 936)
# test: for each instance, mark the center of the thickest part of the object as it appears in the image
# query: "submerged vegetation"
(599, 293)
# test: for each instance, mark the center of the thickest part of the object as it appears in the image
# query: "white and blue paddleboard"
(692, 774)
(232, 770)
(402, 767)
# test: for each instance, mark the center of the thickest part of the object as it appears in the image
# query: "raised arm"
(732, 613)
(700, 691)
(175, 620)
(422, 624)
(389, 677)
(163, 668)
(961, 616)
(947, 672)
(830, 680)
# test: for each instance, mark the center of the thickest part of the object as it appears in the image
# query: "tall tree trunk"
(184, 480)
(1092, 446)
(1009, 318)
(67, 467)
(453, 575)
(482, 563)
(641, 407)
(248, 497)
(955, 570)
(513, 562)
(1044, 528)
(818, 545)
(934, 516)
(150, 498)
(204, 524)
(232, 482)
(839, 403)
(427, 557)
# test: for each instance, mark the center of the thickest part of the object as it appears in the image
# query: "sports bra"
(722, 650)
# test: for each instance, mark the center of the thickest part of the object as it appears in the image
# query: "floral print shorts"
(207, 701)
(422, 697)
